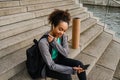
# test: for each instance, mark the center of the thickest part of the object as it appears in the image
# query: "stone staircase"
(117, 73)
(23, 20)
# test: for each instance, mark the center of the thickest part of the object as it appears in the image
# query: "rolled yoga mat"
(76, 33)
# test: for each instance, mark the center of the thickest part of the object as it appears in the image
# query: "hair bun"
(59, 15)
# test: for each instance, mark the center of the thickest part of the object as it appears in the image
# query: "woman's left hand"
(78, 69)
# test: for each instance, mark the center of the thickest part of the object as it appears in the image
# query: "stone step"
(88, 2)
(4, 20)
(107, 63)
(27, 16)
(8, 69)
(13, 45)
(111, 56)
(21, 9)
(23, 75)
(84, 24)
(29, 2)
(117, 72)
(12, 64)
(12, 10)
(115, 79)
(94, 49)
(12, 29)
(87, 58)
(89, 35)
(45, 12)
(49, 5)
(77, 11)
(100, 73)
(4, 4)
(82, 16)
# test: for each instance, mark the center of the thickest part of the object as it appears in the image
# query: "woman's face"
(60, 29)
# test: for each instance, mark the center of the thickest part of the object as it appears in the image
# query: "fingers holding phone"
(78, 69)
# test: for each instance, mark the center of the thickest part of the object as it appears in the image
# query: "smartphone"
(86, 66)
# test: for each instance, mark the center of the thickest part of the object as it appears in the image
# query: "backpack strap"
(45, 36)
(35, 41)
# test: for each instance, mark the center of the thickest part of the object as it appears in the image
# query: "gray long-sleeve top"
(62, 49)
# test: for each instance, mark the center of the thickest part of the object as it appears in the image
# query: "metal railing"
(118, 2)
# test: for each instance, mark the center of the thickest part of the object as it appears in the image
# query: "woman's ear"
(52, 27)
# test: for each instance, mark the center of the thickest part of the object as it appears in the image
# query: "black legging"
(67, 62)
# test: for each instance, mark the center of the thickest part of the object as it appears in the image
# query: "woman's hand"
(78, 69)
(50, 38)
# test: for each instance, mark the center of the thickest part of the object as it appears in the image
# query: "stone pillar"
(76, 33)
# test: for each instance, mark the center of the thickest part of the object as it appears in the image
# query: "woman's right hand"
(50, 38)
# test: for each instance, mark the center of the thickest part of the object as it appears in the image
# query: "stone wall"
(115, 3)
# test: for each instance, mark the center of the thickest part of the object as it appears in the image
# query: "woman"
(54, 50)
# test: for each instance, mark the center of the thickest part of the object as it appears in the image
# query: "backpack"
(34, 62)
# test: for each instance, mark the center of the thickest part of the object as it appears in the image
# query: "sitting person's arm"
(63, 49)
(44, 48)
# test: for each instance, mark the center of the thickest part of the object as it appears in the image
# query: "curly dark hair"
(59, 15)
